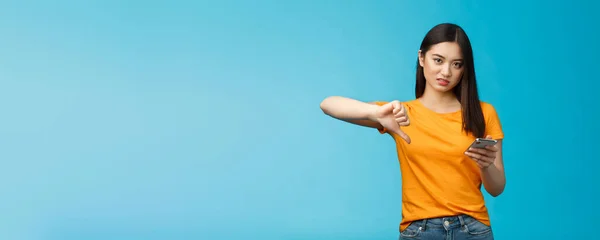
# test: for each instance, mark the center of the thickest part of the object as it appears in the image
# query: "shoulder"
(493, 126)
(488, 109)
(486, 106)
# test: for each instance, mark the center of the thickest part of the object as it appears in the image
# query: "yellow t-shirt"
(438, 179)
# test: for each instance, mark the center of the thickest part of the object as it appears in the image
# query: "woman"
(441, 174)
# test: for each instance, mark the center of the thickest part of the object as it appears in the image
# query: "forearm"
(348, 109)
(493, 180)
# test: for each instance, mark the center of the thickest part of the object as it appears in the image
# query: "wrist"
(371, 112)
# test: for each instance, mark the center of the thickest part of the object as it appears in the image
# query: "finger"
(486, 159)
(399, 114)
(481, 161)
(488, 152)
(401, 119)
(492, 148)
(396, 104)
(403, 135)
(474, 155)
(397, 107)
(483, 151)
(402, 110)
(406, 138)
(404, 123)
(478, 150)
(479, 164)
(404, 113)
(488, 137)
(388, 108)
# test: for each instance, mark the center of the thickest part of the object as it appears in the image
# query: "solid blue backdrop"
(201, 120)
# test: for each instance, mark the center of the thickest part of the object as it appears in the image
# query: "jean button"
(446, 223)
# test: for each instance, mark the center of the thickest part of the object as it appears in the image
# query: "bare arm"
(351, 110)
(387, 118)
(493, 176)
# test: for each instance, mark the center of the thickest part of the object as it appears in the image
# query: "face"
(442, 66)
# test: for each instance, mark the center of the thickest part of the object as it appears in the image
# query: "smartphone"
(482, 143)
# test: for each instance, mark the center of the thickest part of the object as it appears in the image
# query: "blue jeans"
(460, 227)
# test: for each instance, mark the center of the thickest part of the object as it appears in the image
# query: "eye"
(458, 64)
(437, 60)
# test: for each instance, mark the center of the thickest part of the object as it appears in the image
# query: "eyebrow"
(440, 56)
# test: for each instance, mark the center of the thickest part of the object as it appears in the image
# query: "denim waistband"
(450, 222)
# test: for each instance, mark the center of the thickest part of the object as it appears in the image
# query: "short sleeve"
(493, 127)
(381, 130)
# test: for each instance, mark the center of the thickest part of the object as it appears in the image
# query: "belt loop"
(462, 221)
(423, 224)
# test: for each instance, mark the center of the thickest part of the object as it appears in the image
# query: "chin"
(440, 88)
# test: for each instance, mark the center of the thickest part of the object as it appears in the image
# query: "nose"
(446, 71)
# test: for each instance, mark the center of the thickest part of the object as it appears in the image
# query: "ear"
(421, 58)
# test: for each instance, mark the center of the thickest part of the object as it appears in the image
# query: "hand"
(391, 116)
(484, 157)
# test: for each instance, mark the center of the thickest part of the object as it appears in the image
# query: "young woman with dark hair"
(441, 174)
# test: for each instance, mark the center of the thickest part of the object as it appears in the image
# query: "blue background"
(201, 120)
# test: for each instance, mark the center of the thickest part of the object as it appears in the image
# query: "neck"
(439, 99)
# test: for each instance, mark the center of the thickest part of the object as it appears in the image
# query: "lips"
(443, 82)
